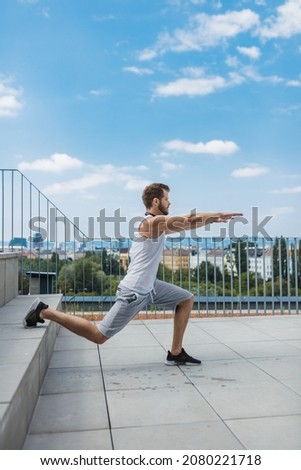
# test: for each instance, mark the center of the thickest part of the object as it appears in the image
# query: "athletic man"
(140, 287)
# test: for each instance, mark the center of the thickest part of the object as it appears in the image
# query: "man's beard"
(163, 210)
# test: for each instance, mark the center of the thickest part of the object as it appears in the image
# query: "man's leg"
(181, 318)
(127, 305)
(173, 297)
(79, 326)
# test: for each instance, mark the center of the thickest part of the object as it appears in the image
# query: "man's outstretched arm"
(153, 227)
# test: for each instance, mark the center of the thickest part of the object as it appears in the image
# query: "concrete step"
(24, 358)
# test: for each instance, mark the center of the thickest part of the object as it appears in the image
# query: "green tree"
(296, 265)
(164, 273)
(241, 257)
(109, 263)
(207, 270)
(82, 275)
(280, 262)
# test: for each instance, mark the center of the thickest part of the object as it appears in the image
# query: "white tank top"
(145, 258)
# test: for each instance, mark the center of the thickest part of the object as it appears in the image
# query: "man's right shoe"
(33, 315)
(182, 359)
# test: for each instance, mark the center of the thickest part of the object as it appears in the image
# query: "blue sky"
(99, 98)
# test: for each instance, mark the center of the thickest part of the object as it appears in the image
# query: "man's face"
(164, 203)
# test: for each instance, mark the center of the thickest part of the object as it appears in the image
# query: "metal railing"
(227, 276)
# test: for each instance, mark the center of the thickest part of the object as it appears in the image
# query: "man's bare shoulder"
(153, 227)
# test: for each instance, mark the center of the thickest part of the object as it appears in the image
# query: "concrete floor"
(245, 395)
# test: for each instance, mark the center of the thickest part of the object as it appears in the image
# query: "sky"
(99, 98)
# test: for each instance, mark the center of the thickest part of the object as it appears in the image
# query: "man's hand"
(226, 216)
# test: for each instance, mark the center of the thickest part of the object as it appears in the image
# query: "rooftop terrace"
(245, 395)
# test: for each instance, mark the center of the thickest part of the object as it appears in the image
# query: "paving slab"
(131, 355)
(199, 435)
(64, 412)
(76, 440)
(270, 433)
(280, 368)
(296, 343)
(158, 407)
(234, 332)
(251, 400)
(133, 335)
(75, 358)
(212, 352)
(263, 349)
(149, 377)
(238, 371)
(293, 384)
(70, 341)
(68, 379)
(194, 335)
(287, 333)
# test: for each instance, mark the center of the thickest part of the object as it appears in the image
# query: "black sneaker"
(181, 359)
(33, 315)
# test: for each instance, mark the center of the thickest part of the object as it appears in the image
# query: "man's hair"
(151, 191)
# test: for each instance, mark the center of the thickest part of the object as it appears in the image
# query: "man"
(140, 287)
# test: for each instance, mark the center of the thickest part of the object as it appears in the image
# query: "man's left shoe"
(33, 315)
(181, 359)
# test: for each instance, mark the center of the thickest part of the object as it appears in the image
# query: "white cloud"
(291, 190)
(57, 163)
(147, 54)
(197, 84)
(138, 70)
(193, 72)
(102, 174)
(202, 31)
(10, 99)
(133, 184)
(213, 147)
(251, 52)
(232, 61)
(170, 166)
(286, 22)
(250, 171)
(293, 83)
(191, 87)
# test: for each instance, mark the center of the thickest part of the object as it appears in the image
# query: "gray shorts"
(129, 303)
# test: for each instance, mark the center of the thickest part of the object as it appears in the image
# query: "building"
(176, 259)
(260, 261)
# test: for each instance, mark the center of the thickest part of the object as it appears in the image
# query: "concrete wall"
(8, 277)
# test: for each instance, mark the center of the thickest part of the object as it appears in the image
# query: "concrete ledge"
(8, 277)
(24, 358)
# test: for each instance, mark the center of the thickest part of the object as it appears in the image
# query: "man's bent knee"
(187, 302)
(100, 338)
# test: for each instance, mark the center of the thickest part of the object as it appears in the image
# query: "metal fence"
(227, 276)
